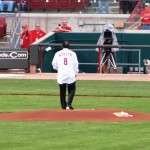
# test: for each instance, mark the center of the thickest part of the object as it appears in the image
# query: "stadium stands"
(50, 4)
(3, 26)
(77, 4)
(63, 4)
(57, 4)
(36, 4)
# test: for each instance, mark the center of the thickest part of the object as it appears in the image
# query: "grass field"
(24, 95)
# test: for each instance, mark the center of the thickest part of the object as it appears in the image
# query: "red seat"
(3, 26)
(50, 4)
(63, 4)
(36, 4)
(86, 2)
(77, 4)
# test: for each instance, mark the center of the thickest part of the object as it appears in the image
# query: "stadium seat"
(63, 4)
(36, 4)
(86, 2)
(77, 4)
(50, 4)
(3, 26)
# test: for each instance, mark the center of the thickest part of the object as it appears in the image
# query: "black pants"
(126, 6)
(71, 92)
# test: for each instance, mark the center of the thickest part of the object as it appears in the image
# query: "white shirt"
(66, 63)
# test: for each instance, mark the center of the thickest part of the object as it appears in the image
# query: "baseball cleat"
(69, 107)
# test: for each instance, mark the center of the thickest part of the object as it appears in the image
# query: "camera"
(108, 34)
(108, 40)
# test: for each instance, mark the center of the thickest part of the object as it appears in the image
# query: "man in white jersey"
(66, 63)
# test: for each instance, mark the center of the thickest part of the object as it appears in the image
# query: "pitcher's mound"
(100, 115)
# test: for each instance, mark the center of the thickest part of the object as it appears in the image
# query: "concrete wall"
(92, 22)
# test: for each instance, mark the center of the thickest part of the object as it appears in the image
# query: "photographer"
(63, 27)
(108, 37)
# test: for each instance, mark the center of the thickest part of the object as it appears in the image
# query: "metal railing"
(15, 28)
(132, 64)
(118, 64)
(92, 47)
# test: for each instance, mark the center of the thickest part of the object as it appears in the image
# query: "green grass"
(97, 88)
(65, 136)
(24, 95)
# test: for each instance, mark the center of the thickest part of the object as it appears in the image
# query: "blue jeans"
(103, 6)
(22, 6)
(145, 27)
(10, 5)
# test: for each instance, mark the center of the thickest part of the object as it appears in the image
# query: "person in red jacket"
(26, 37)
(26, 41)
(63, 27)
(37, 33)
(145, 17)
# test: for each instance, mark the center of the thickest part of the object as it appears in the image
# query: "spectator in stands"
(126, 6)
(26, 41)
(26, 37)
(7, 6)
(37, 33)
(145, 17)
(134, 3)
(63, 27)
(22, 5)
(103, 6)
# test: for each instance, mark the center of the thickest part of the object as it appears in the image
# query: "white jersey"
(66, 63)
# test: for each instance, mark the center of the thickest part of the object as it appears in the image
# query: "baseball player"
(66, 63)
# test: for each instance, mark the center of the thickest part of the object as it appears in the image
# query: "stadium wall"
(91, 22)
(89, 55)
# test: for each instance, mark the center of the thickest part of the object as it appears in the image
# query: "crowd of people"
(27, 36)
(30, 36)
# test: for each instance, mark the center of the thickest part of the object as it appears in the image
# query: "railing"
(12, 21)
(90, 47)
(132, 64)
(118, 64)
(15, 40)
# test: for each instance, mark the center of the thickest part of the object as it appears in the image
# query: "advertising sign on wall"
(13, 58)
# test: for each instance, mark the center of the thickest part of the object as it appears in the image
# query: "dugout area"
(88, 57)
